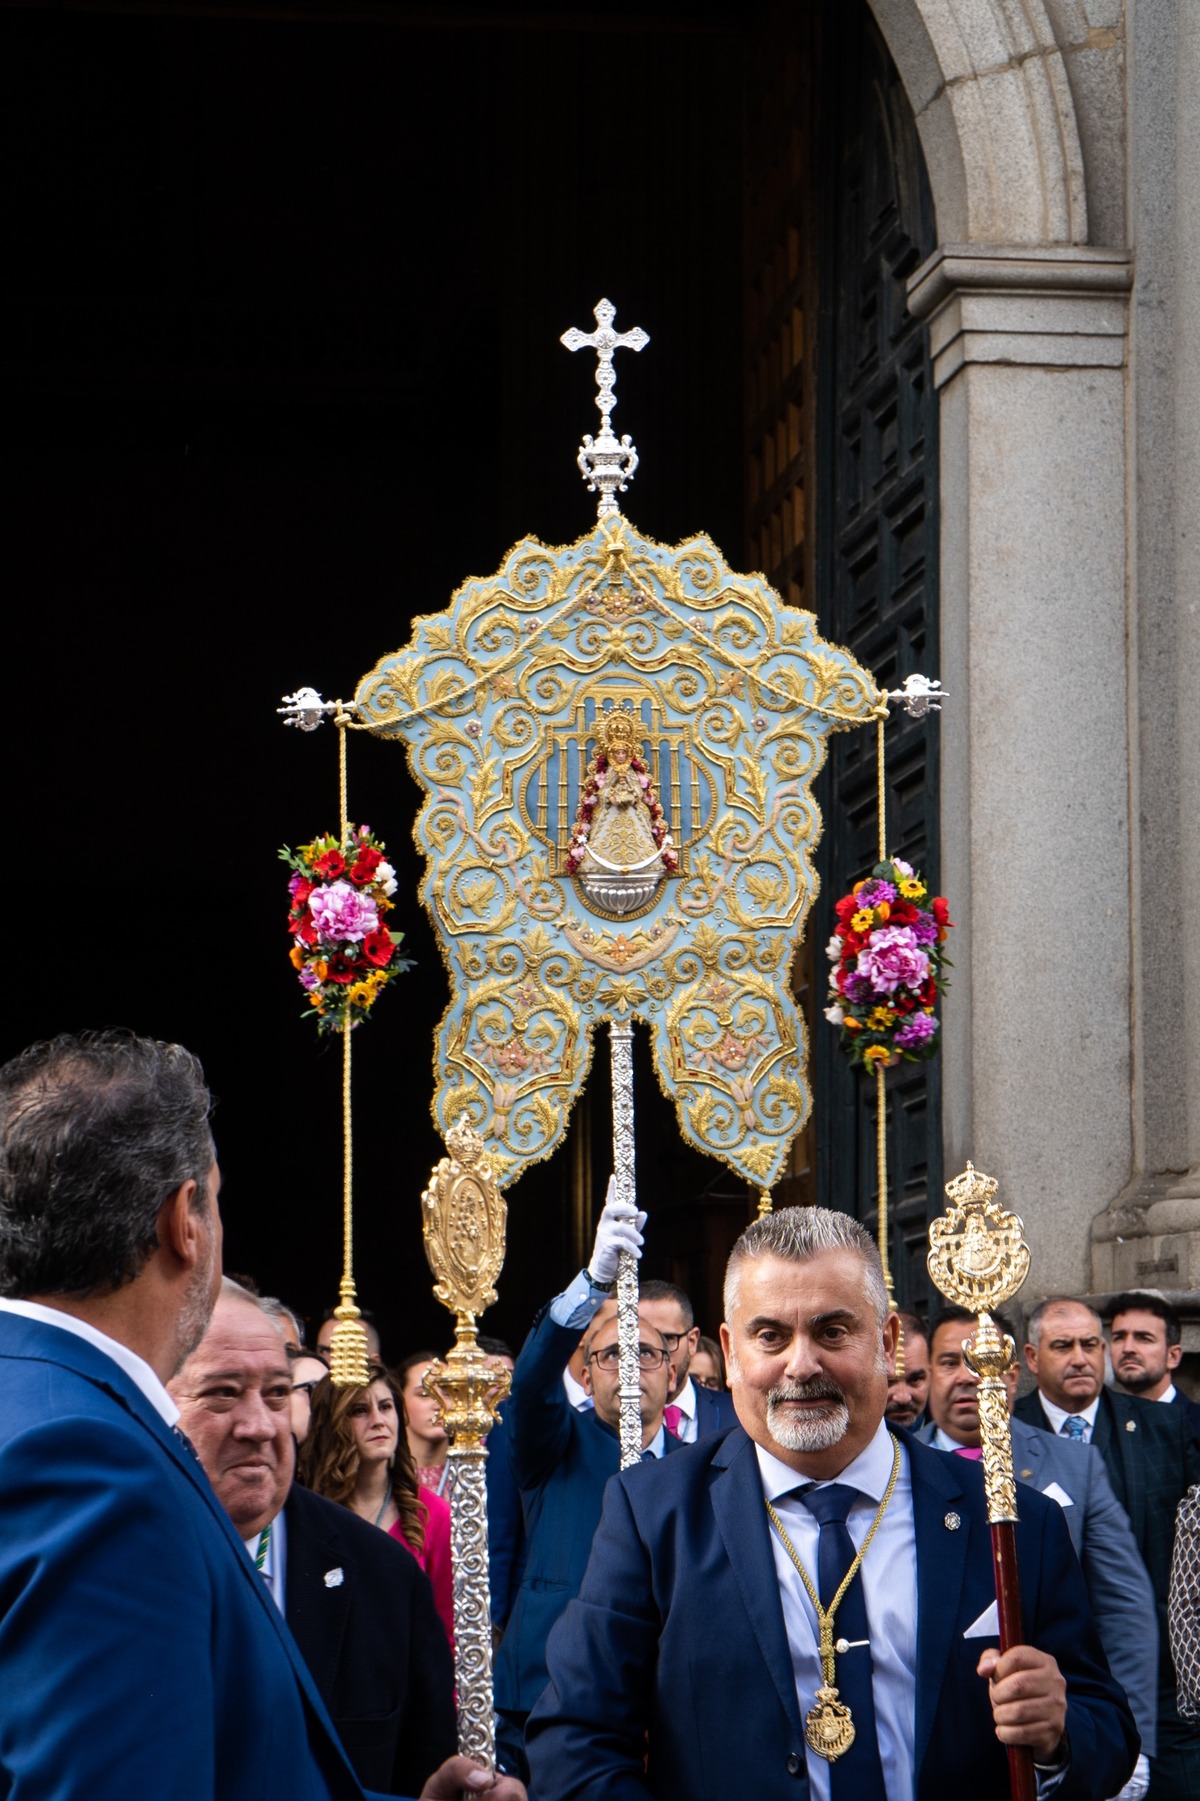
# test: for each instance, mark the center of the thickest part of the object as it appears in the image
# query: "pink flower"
(892, 960)
(342, 913)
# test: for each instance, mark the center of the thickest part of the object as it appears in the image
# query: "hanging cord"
(348, 1346)
(880, 1090)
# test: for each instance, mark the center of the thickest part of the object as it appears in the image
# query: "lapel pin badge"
(334, 1578)
(1131, 1425)
(952, 1522)
(1025, 1475)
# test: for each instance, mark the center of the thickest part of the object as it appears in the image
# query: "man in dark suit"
(562, 1458)
(141, 1651)
(691, 1412)
(1151, 1462)
(1119, 1591)
(1144, 1342)
(686, 1666)
(358, 1604)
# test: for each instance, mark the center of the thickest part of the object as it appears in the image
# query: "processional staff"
(978, 1259)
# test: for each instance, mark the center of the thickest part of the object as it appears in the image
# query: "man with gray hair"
(1151, 1460)
(843, 1570)
(141, 1651)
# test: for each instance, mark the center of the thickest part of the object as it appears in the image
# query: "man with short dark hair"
(908, 1394)
(1151, 1462)
(562, 1456)
(141, 1652)
(691, 1412)
(358, 1604)
(1144, 1343)
(1074, 1476)
(708, 1548)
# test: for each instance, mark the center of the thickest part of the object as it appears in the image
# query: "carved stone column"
(1028, 350)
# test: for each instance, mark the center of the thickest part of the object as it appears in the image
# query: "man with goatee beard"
(688, 1667)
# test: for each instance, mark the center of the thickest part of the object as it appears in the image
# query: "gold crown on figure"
(464, 1143)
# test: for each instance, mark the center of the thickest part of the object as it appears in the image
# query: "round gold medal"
(828, 1726)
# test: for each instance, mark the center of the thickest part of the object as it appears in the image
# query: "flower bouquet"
(343, 952)
(888, 967)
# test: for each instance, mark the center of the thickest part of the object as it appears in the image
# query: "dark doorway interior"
(281, 369)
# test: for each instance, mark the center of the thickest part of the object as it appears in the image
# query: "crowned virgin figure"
(620, 848)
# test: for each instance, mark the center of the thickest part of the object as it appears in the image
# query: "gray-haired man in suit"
(1074, 1476)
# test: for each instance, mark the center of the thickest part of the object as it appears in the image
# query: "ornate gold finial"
(765, 1203)
(463, 1219)
(978, 1257)
(464, 1144)
(348, 1345)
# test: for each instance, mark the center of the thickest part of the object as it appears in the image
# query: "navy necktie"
(858, 1774)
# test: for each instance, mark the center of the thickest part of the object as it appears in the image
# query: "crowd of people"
(224, 1576)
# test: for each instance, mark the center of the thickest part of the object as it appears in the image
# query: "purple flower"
(924, 928)
(309, 978)
(892, 960)
(918, 1028)
(873, 894)
(341, 913)
(857, 989)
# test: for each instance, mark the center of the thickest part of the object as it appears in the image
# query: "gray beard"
(819, 1433)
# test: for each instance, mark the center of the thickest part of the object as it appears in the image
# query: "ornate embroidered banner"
(617, 740)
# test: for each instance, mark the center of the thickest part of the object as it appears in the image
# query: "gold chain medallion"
(828, 1726)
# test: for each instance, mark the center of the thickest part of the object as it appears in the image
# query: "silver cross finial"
(607, 466)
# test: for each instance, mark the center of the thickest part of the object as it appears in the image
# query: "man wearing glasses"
(562, 1458)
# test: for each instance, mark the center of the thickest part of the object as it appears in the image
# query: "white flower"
(834, 1015)
(904, 868)
(385, 875)
(833, 949)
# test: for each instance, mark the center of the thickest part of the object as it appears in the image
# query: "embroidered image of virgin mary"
(620, 847)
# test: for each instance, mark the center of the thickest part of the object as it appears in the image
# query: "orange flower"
(297, 957)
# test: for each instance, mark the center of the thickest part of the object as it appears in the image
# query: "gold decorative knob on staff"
(978, 1259)
(463, 1222)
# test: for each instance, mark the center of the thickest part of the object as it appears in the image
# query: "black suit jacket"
(361, 1610)
(714, 1411)
(1191, 1412)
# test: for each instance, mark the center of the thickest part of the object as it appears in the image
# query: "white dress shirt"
(1168, 1393)
(1057, 1415)
(685, 1400)
(889, 1578)
(135, 1367)
(275, 1561)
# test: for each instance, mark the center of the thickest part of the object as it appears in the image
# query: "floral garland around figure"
(343, 952)
(593, 788)
(888, 967)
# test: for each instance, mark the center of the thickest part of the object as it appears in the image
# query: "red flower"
(331, 865)
(903, 913)
(377, 947)
(928, 992)
(847, 907)
(941, 910)
(302, 891)
(851, 945)
(343, 968)
(365, 865)
(304, 928)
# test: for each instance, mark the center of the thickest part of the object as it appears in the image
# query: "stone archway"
(994, 110)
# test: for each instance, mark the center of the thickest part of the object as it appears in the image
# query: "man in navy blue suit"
(563, 1456)
(687, 1665)
(691, 1412)
(141, 1651)
(1144, 1340)
(1122, 1600)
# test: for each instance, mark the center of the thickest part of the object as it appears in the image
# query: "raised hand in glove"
(619, 1229)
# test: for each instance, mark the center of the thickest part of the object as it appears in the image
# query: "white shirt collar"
(1168, 1393)
(870, 1472)
(135, 1367)
(942, 1441)
(685, 1400)
(658, 1444)
(1056, 1415)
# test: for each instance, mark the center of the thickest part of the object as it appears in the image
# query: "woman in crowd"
(357, 1454)
(708, 1365)
(427, 1440)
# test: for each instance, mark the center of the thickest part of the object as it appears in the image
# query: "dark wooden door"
(876, 583)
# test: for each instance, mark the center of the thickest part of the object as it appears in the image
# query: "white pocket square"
(1058, 1494)
(986, 1626)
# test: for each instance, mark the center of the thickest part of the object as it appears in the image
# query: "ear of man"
(179, 1226)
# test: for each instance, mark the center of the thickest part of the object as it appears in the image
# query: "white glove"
(619, 1229)
(1138, 1783)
